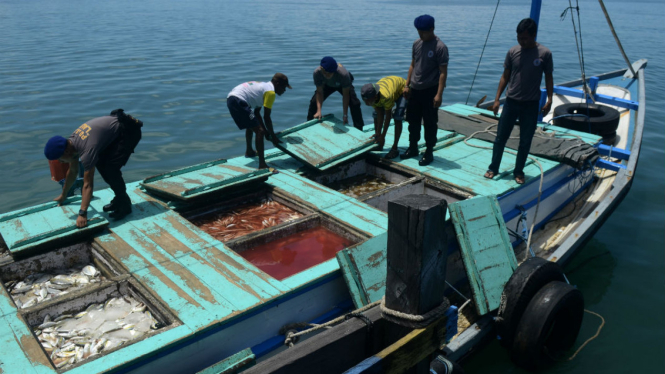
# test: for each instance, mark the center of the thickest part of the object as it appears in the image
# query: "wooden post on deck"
(416, 257)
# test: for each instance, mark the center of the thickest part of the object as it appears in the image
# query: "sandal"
(489, 174)
(394, 152)
(519, 179)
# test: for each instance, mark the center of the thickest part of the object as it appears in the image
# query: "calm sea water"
(171, 64)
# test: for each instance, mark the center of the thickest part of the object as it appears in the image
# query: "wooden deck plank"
(313, 193)
(21, 352)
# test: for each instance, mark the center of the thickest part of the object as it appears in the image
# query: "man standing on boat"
(383, 95)
(332, 77)
(245, 102)
(104, 144)
(424, 87)
(523, 70)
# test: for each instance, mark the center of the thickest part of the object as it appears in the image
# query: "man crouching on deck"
(245, 102)
(105, 144)
(383, 95)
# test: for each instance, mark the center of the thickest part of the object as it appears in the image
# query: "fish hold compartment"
(415, 186)
(53, 275)
(97, 323)
(297, 246)
(360, 178)
(235, 218)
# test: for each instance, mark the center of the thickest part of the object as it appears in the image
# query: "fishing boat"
(222, 291)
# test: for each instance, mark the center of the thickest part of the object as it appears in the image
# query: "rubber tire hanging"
(549, 327)
(532, 275)
(603, 120)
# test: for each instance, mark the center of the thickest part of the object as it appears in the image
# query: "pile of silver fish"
(358, 186)
(39, 287)
(70, 339)
(245, 219)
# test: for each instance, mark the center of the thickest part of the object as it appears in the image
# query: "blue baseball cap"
(329, 64)
(55, 147)
(424, 22)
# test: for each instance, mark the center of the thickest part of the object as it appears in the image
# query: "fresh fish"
(46, 325)
(90, 271)
(64, 316)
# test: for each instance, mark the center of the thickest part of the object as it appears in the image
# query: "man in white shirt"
(245, 102)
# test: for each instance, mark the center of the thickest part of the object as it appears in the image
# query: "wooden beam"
(413, 348)
(417, 254)
(330, 352)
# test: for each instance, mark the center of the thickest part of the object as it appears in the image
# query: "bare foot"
(519, 179)
(250, 153)
(489, 175)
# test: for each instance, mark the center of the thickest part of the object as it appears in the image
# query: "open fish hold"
(246, 213)
(359, 178)
(285, 257)
(377, 181)
(51, 276)
(75, 331)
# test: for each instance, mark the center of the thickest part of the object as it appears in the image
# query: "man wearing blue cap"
(424, 87)
(103, 144)
(332, 77)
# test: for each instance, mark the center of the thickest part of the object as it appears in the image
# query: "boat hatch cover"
(47, 224)
(487, 254)
(203, 179)
(324, 143)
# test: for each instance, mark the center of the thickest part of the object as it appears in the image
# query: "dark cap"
(368, 91)
(55, 147)
(424, 22)
(281, 79)
(329, 64)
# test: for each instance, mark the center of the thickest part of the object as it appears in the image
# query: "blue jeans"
(527, 112)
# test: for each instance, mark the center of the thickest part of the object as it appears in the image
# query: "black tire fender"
(603, 120)
(549, 326)
(532, 275)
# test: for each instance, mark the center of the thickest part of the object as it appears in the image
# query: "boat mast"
(535, 10)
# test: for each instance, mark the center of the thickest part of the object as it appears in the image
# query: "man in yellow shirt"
(383, 95)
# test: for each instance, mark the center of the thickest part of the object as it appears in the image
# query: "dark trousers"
(527, 112)
(419, 110)
(354, 105)
(115, 156)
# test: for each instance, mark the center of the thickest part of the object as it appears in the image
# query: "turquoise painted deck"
(208, 286)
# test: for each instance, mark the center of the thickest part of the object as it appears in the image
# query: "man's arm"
(386, 123)
(319, 102)
(86, 196)
(407, 89)
(443, 76)
(378, 122)
(345, 104)
(266, 122)
(72, 173)
(549, 86)
(503, 83)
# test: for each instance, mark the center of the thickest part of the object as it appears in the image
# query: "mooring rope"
(419, 319)
(602, 323)
(292, 337)
(483, 51)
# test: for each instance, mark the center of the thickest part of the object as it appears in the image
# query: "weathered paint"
(364, 269)
(233, 364)
(486, 249)
(325, 143)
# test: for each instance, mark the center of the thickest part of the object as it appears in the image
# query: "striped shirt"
(390, 89)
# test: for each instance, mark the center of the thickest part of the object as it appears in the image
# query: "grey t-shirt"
(526, 71)
(92, 137)
(427, 57)
(341, 78)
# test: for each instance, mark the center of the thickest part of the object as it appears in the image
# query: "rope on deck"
(414, 320)
(293, 335)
